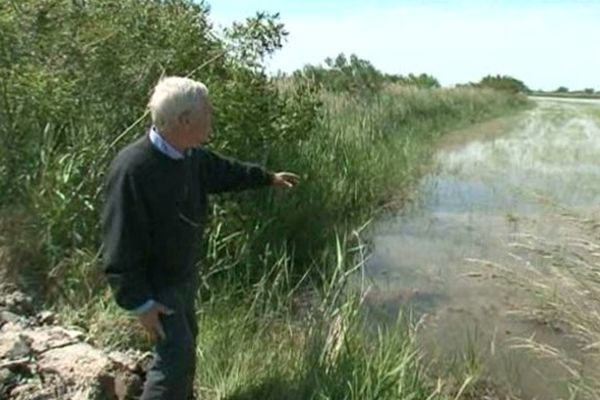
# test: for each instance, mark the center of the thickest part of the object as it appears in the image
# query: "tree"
(351, 74)
(503, 82)
(562, 89)
(422, 81)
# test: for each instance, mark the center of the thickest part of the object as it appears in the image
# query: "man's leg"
(190, 302)
(169, 377)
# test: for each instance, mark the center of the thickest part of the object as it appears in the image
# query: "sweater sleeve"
(224, 174)
(126, 241)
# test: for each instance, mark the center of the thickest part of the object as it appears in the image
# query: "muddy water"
(493, 183)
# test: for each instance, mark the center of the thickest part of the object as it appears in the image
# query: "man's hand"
(285, 179)
(151, 322)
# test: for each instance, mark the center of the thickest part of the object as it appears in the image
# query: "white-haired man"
(153, 220)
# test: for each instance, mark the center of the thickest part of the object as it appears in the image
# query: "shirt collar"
(163, 146)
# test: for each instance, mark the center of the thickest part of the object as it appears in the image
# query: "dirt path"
(451, 254)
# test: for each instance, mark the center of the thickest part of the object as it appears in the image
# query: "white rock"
(14, 345)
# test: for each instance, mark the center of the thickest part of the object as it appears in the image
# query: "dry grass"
(17, 254)
(563, 275)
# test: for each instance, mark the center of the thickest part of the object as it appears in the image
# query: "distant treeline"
(562, 91)
(501, 82)
(354, 74)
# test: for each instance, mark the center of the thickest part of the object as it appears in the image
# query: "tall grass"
(362, 155)
(275, 322)
(321, 352)
(277, 318)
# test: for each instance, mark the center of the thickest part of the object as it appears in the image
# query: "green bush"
(503, 83)
(75, 77)
(342, 74)
(424, 81)
(358, 76)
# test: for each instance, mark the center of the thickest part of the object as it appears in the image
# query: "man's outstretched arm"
(222, 174)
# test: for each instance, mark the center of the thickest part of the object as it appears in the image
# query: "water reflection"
(479, 196)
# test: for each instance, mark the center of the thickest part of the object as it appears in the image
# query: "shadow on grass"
(271, 389)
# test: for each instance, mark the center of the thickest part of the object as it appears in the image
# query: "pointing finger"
(291, 175)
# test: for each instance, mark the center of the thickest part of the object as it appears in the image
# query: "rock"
(19, 366)
(18, 302)
(145, 362)
(35, 389)
(39, 360)
(95, 392)
(75, 363)
(7, 316)
(83, 366)
(46, 338)
(7, 381)
(124, 360)
(46, 317)
(128, 386)
(17, 326)
(14, 345)
(6, 376)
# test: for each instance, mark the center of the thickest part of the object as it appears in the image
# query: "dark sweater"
(155, 213)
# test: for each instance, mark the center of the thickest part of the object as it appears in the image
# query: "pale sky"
(546, 44)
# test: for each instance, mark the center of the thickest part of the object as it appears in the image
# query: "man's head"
(181, 111)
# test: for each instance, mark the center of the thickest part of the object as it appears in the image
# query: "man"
(153, 220)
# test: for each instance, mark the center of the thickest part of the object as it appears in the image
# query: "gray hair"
(173, 96)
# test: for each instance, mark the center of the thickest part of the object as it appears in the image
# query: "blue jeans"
(171, 375)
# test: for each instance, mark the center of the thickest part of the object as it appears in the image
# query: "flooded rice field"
(500, 199)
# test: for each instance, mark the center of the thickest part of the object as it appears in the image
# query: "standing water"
(436, 254)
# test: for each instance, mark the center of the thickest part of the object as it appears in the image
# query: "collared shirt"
(161, 144)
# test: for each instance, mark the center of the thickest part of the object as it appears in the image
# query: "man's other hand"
(285, 179)
(151, 322)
